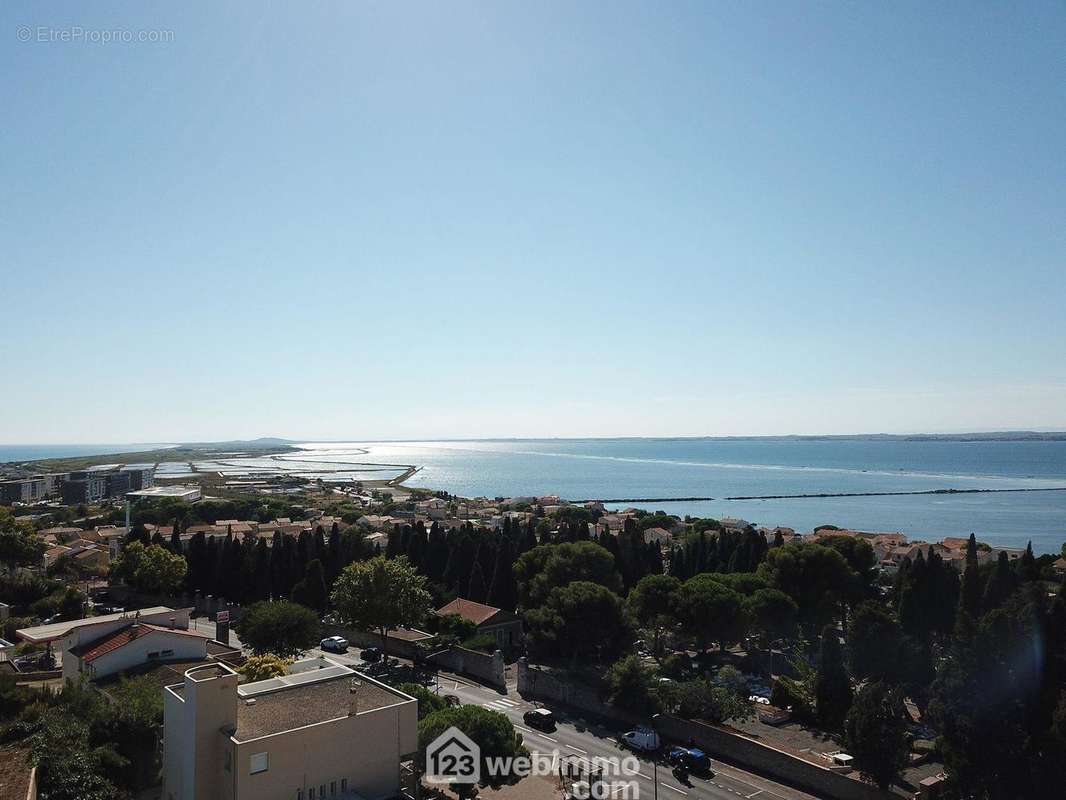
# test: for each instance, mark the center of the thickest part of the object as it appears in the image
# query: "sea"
(582, 469)
(628, 469)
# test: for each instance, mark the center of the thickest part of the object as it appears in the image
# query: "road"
(577, 736)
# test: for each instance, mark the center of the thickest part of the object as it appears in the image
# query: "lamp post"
(655, 761)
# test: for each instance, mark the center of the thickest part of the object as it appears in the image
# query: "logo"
(453, 758)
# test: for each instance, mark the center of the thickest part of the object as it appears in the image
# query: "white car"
(334, 644)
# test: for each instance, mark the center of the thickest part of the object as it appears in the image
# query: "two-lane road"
(575, 736)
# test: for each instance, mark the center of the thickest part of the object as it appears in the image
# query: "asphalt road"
(574, 736)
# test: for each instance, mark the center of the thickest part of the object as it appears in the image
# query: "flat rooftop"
(307, 698)
(166, 491)
(57, 630)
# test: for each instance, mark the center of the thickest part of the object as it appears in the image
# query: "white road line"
(644, 775)
(577, 749)
(527, 730)
(754, 793)
(542, 736)
(668, 786)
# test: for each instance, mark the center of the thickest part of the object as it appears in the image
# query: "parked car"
(334, 644)
(693, 759)
(643, 739)
(541, 718)
(371, 654)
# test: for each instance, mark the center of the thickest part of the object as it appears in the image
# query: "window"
(228, 761)
(344, 784)
(322, 790)
(257, 763)
(311, 793)
(332, 788)
(153, 654)
(299, 794)
(168, 653)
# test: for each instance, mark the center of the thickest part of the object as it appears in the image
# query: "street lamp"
(655, 761)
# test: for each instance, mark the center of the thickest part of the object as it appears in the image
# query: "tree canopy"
(280, 627)
(381, 594)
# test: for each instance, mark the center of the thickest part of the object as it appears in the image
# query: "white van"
(643, 739)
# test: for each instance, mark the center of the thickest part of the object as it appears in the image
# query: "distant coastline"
(27, 453)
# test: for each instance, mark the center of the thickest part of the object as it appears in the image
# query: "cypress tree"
(832, 687)
(1001, 584)
(504, 591)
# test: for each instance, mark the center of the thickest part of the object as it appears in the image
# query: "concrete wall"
(717, 742)
(484, 667)
(365, 749)
(403, 647)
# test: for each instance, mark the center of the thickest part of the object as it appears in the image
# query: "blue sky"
(395, 220)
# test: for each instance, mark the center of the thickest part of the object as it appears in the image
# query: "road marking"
(754, 793)
(527, 730)
(577, 749)
(668, 786)
(644, 775)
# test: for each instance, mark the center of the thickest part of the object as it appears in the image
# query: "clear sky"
(397, 220)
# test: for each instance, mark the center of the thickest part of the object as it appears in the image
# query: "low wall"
(39, 675)
(404, 644)
(482, 666)
(718, 742)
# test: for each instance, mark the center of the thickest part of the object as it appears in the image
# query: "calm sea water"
(719, 468)
(33, 452)
(624, 468)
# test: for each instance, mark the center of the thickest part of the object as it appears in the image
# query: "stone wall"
(482, 666)
(718, 742)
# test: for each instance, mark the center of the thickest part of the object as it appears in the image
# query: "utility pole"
(655, 762)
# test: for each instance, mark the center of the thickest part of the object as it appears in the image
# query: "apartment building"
(141, 476)
(321, 731)
(85, 486)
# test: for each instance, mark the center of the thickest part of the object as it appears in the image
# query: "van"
(643, 739)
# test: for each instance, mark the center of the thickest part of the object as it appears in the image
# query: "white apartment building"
(322, 731)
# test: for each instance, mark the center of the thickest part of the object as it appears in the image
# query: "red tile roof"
(120, 638)
(469, 610)
(16, 773)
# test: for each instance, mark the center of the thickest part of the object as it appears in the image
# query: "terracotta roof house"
(137, 643)
(504, 626)
(1059, 565)
(18, 776)
(658, 535)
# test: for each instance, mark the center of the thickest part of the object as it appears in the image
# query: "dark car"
(692, 759)
(540, 718)
(371, 654)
